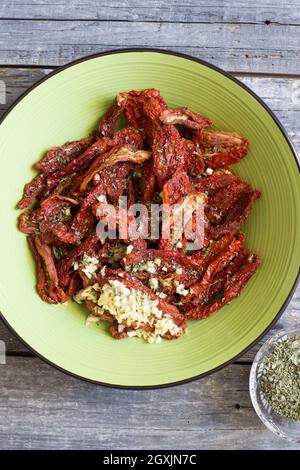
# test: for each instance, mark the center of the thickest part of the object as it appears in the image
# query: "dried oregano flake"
(280, 380)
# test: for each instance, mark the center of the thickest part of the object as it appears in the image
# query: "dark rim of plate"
(284, 133)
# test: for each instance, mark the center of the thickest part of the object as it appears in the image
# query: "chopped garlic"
(66, 211)
(132, 333)
(148, 266)
(90, 265)
(179, 244)
(102, 198)
(75, 265)
(91, 319)
(129, 249)
(178, 270)
(153, 283)
(180, 289)
(157, 261)
(89, 293)
(132, 306)
(208, 171)
(103, 271)
(162, 295)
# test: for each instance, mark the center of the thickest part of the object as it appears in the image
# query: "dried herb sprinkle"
(280, 380)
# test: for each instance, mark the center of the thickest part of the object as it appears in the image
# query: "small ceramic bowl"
(283, 427)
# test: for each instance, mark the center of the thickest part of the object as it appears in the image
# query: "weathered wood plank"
(43, 408)
(226, 11)
(236, 47)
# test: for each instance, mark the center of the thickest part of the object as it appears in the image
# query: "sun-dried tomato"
(220, 262)
(65, 265)
(169, 153)
(194, 161)
(232, 289)
(219, 204)
(48, 285)
(176, 187)
(185, 117)
(124, 154)
(149, 183)
(213, 183)
(32, 191)
(165, 156)
(221, 149)
(58, 157)
(236, 216)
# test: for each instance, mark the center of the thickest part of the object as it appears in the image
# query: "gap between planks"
(265, 23)
(235, 73)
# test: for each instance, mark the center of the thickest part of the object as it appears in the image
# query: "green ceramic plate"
(65, 106)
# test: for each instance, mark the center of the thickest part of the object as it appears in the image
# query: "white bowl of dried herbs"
(275, 384)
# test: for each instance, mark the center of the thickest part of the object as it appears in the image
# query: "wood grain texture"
(236, 47)
(214, 11)
(153, 10)
(43, 408)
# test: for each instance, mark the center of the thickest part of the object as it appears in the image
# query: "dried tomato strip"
(32, 191)
(55, 217)
(107, 124)
(100, 147)
(149, 183)
(236, 216)
(131, 193)
(195, 164)
(232, 289)
(125, 137)
(54, 291)
(64, 266)
(113, 215)
(224, 199)
(222, 260)
(58, 157)
(41, 277)
(205, 256)
(137, 109)
(124, 154)
(169, 153)
(185, 117)
(213, 183)
(222, 148)
(176, 187)
(75, 284)
(29, 221)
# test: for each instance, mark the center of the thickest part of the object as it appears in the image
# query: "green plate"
(67, 105)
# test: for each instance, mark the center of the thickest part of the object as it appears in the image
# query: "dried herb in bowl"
(280, 380)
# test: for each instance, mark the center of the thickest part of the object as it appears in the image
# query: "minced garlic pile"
(131, 307)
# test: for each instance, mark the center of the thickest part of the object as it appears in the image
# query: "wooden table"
(43, 408)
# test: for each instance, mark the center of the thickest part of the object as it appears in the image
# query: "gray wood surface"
(44, 408)
(237, 47)
(193, 11)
